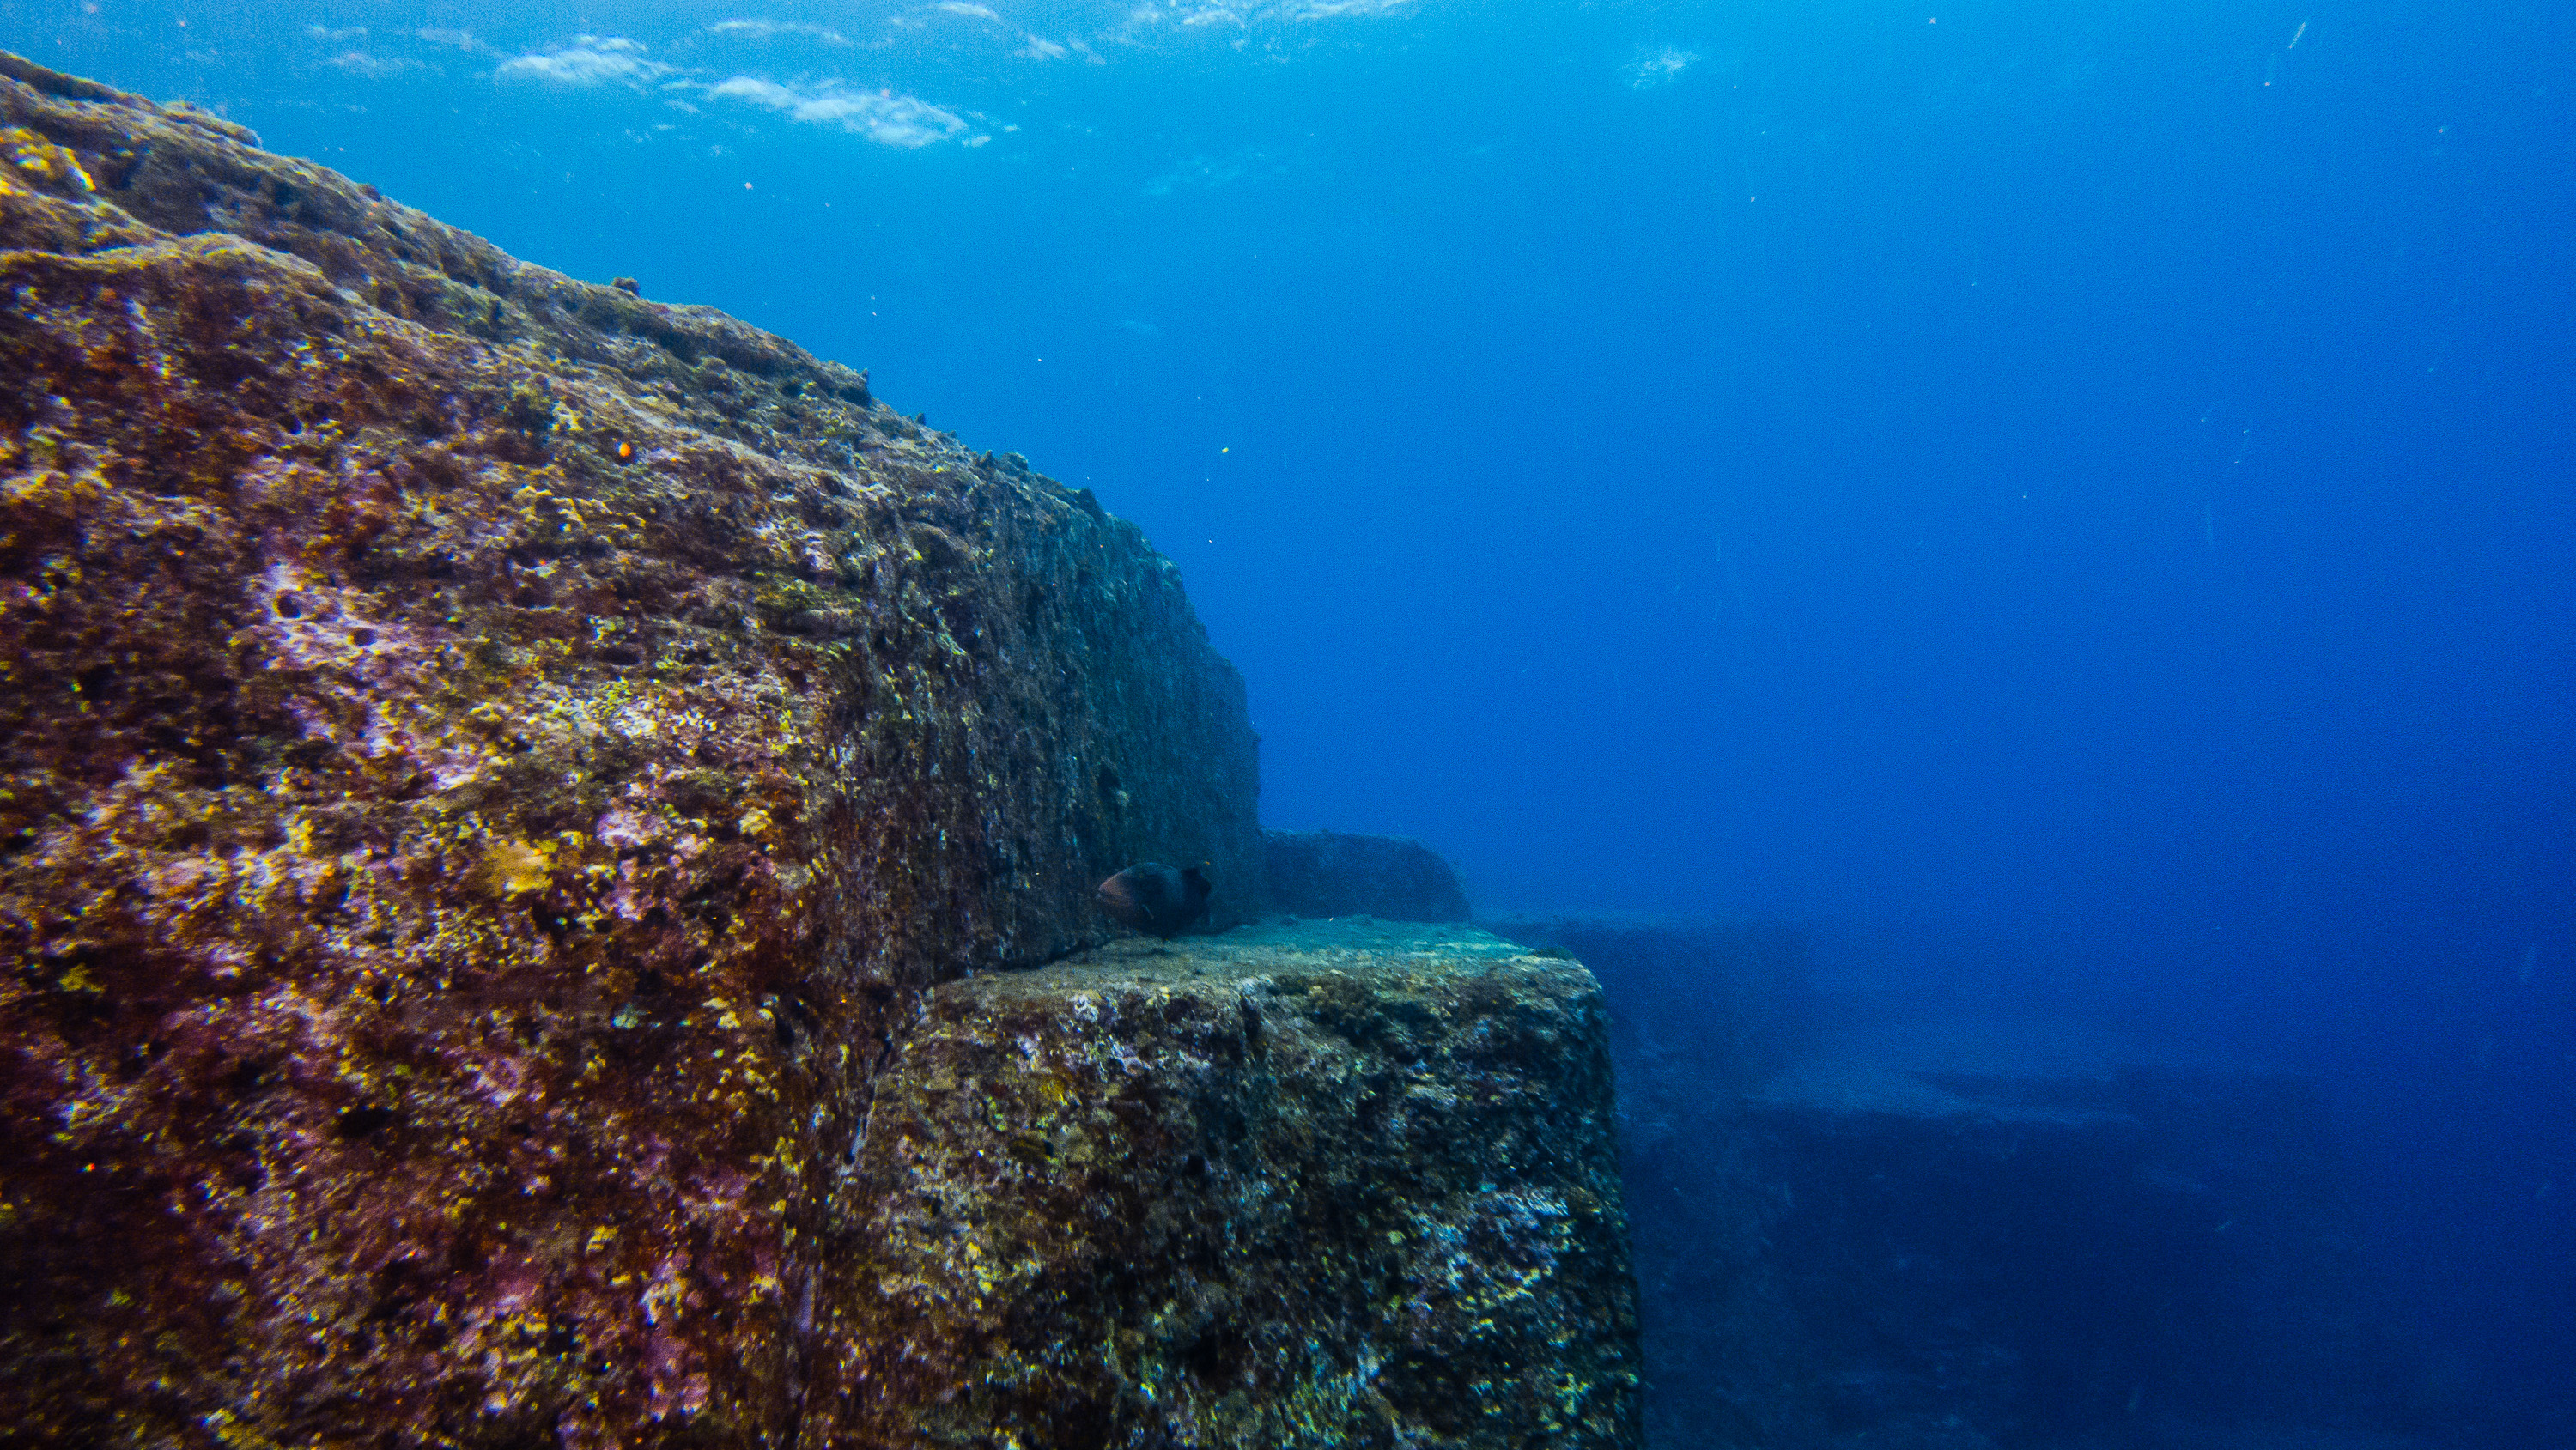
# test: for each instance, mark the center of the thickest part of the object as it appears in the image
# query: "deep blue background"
(2082, 491)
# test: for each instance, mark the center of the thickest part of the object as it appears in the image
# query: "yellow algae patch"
(519, 866)
(42, 159)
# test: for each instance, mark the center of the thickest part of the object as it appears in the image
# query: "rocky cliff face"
(488, 765)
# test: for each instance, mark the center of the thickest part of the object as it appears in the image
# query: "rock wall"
(488, 764)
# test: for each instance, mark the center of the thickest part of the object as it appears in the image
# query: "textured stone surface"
(1331, 873)
(1314, 1185)
(487, 764)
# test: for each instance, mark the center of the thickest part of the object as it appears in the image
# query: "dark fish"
(1156, 899)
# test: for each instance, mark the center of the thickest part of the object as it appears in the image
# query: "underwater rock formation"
(2028, 1253)
(1303, 1185)
(2001, 1250)
(1330, 873)
(1859, 1224)
(488, 765)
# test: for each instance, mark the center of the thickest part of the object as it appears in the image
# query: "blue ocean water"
(2073, 503)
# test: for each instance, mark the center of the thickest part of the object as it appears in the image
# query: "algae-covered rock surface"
(487, 766)
(1309, 1184)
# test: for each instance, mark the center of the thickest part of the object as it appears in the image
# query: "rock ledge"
(1304, 1185)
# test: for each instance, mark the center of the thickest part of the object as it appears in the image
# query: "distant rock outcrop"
(1729, 1003)
(2011, 1252)
(1859, 1224)
(1328, 873)
(489, 766)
